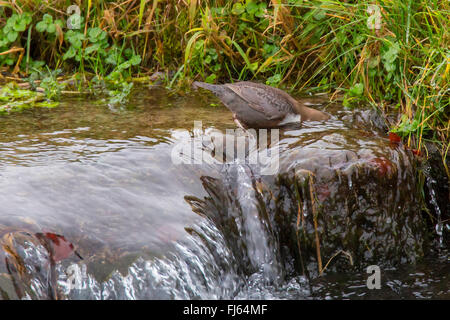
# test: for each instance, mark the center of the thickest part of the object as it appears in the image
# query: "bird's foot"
(238, 123)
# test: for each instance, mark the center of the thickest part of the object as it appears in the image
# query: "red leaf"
(384, 165)
(60, 248)
(394, 138)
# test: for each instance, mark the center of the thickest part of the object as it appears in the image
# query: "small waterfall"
(260, 242)
(206, 265)
(210, 263)
(431, 184)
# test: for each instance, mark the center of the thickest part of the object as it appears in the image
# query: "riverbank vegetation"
(392, 54)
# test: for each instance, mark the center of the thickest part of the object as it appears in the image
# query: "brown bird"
(255, 105)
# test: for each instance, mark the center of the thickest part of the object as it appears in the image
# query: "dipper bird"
(255, 105)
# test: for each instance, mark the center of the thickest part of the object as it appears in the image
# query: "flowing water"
(147, 227)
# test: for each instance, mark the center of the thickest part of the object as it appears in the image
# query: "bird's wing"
(263, 99)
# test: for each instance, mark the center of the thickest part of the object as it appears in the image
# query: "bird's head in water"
(256, 105)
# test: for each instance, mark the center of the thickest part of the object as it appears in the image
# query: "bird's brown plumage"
(256, 105)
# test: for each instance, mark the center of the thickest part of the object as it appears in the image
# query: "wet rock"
(342, 197)
(437, 192)
(349, 197)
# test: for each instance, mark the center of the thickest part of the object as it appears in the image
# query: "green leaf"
(37, 64)
(96, 34)
(269, 50)
(221, 11)
(347, 102)
(251, 7)
(261, 10)
(407, 126)
(128, 53)
(92, 48)
(12, 36)
(9, 61)
(20, 25)
(47, 19)
(41, 26)
(198, 45)
(274, 80)
(6, 29)
(76, 43)
(70, 53)
(113, 56)
(323, 81)
(238, 9)
(51, 28)
(253, 66)
(11, 21)
(135, 60)
(210, 78)
(27, 18)
(212, 52)
(389, 67)
(59, 23)
(191, 42)
(390, 56)
(356, 90)
(216, 67)
(102, 35)
(124, 65)
(75, 38)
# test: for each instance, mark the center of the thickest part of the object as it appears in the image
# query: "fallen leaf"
(58, 246)
(394, 138)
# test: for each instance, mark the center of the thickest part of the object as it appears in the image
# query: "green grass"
(394, 56)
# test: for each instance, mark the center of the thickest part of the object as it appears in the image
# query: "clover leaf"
(70, 53)
(390, 56)
(274, 80)
(251, 7)
(238, 9)
(356, 90)
(75, 38)
(47, 24)
(135, 60)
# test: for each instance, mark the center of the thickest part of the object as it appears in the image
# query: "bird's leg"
(238, 123)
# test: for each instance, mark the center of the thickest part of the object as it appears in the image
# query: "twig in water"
(349, 256)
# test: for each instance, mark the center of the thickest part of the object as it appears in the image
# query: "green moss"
(13, 99)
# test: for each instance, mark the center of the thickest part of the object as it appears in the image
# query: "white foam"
(290, 118)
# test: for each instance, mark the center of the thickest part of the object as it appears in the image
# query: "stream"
(134, 202)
